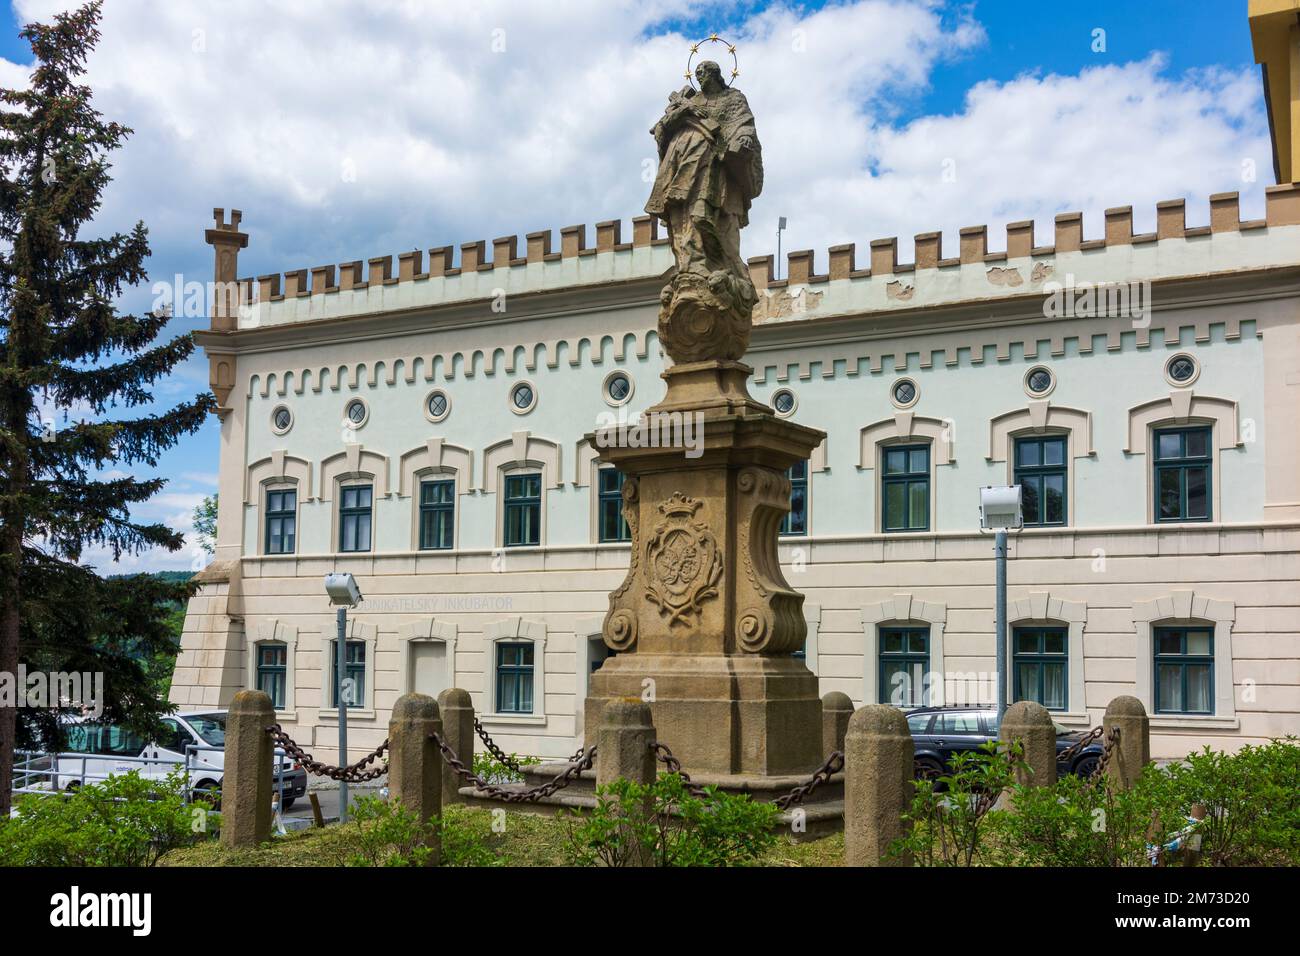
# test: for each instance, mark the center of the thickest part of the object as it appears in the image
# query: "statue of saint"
(710, 170)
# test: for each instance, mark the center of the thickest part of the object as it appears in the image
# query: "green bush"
(663, 824)
(951, 816)
(1079, 823)
(494, 771)
(384, 833)
(1251, 798)
(124, 821)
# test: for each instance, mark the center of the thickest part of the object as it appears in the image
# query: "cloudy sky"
(346, 129)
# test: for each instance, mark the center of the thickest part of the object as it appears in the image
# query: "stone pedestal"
(705, 623)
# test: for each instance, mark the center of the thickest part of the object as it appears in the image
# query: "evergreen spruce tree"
(64, 345)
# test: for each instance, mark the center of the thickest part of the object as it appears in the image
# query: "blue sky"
(256, 105)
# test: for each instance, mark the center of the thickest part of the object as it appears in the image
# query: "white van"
(95, 750)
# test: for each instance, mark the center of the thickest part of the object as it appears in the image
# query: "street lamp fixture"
(342, 589)
(343, 593)
(1000, 510)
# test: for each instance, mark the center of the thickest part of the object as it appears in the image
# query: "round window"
(522, 397)
(783, 401)
(1181, 368)
(437, 405)
(281, 419)
(356, 411)
(904, 392)
(1039, 381)
(618, 388)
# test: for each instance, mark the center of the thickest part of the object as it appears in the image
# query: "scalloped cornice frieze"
(447, 366)
(895, 350)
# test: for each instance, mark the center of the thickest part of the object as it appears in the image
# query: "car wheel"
(209, 792)
(1087, 766)
(926, 768)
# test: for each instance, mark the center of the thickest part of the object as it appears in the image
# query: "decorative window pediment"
(354, 461)
(436, 456)
(905, 426)
(1180, 407)
(1038, 417)
(278, 466)
(521, 449)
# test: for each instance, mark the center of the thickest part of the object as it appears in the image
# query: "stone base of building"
(724, 714)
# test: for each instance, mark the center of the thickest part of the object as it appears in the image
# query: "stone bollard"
(415, 763)
(247, 789)
(623, 742)
(1133, 752)
(837, 709)
(456, 711)
(1031, 724)
(878, 753)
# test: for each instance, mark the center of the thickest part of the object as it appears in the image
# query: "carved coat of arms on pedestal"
(683, 562)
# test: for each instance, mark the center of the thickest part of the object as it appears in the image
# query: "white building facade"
(423, 428)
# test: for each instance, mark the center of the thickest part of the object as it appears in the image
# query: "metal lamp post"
(1000, 510)
(776, 266)
(344, 593)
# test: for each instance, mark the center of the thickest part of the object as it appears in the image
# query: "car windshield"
(1061, 730)
(211, 727)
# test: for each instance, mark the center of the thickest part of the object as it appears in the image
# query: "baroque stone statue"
(705, 619)
(710, 170)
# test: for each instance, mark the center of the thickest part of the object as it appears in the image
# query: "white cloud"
(237, 106)
(452, 138)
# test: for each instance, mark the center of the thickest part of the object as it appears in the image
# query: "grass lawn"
(528, 840)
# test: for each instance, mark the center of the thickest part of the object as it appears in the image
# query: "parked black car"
(940, 732)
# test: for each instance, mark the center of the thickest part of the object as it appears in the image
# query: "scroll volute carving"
(769, 613)
(620, 628)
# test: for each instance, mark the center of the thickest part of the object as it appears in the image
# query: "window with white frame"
(354, 673)
(273, 671)
(514, 677)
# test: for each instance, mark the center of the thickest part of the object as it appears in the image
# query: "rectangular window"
(904, 662)
(354, 673)
(1184, 670)
(613, 526)
(523, 510)
(354, 517)
(1040, 663)
(1182, 464)
(281, 521)
(796, 522)
(437, 514)
(905, 488)
(1041, 473)
(515, 678)
(272, 672)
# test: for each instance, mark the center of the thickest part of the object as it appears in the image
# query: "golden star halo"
(695, 48)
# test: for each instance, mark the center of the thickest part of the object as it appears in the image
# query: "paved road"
(299, 815)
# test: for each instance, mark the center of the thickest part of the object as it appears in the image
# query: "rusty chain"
(1070, 752)
(1108, 749)
(834, 764)
(353, 773)
(665, 756)
(558, 782)
(1109, 740)
(497, 752)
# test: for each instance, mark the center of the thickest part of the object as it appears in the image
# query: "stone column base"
(732, 713)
